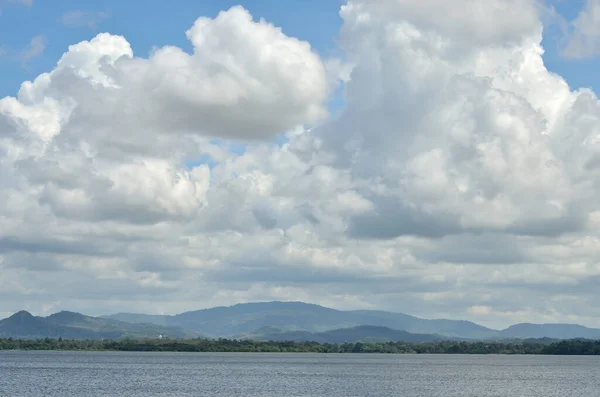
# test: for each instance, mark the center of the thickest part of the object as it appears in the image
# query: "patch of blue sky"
(235, 147)
(204, 159)
(578, 73)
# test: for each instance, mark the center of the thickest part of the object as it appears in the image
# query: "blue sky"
(577, 72)
(160, 23)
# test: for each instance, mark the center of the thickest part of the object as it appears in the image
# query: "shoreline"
(303, 353)
(565, 347)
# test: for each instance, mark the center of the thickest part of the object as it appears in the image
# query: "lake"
(75, 374)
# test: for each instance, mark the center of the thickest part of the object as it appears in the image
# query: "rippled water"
(67, 374)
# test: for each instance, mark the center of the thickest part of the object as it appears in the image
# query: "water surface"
(82, 374)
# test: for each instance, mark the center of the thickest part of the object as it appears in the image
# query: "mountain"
(298, 316)
(363, 333)
(69, 325)
(133, 330)
(245, 318)
(554, 331)
(26, 326)
(135, 318)
(294, 320)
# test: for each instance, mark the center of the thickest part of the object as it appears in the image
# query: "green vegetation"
(364, 333)
(569, 347)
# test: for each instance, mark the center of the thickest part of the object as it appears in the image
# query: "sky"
(434, 158)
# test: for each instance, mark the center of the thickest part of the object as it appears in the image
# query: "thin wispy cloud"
(27, 3)
(4, 3)
(36, 47)
(584, 39)
(79, 18)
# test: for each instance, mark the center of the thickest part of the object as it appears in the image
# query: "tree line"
(567, 347)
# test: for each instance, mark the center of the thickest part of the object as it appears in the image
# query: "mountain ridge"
(276, 313)
(296, 319)
(72, 325)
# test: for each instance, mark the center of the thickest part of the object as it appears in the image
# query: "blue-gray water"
(66, 374)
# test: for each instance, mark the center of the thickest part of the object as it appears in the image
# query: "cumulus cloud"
(239, 69)
(459, 180)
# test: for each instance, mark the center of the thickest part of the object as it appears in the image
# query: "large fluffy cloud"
(459, 180)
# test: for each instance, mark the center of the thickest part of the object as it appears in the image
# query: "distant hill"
(554, 331)
(26, 326)
(363, 333)
(69, 325)
(295, 320)
(298, 316)
(135, 318)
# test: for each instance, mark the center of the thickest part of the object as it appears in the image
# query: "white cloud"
(495, 21)
(239, 69)
(459, 180)
(584, 40)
